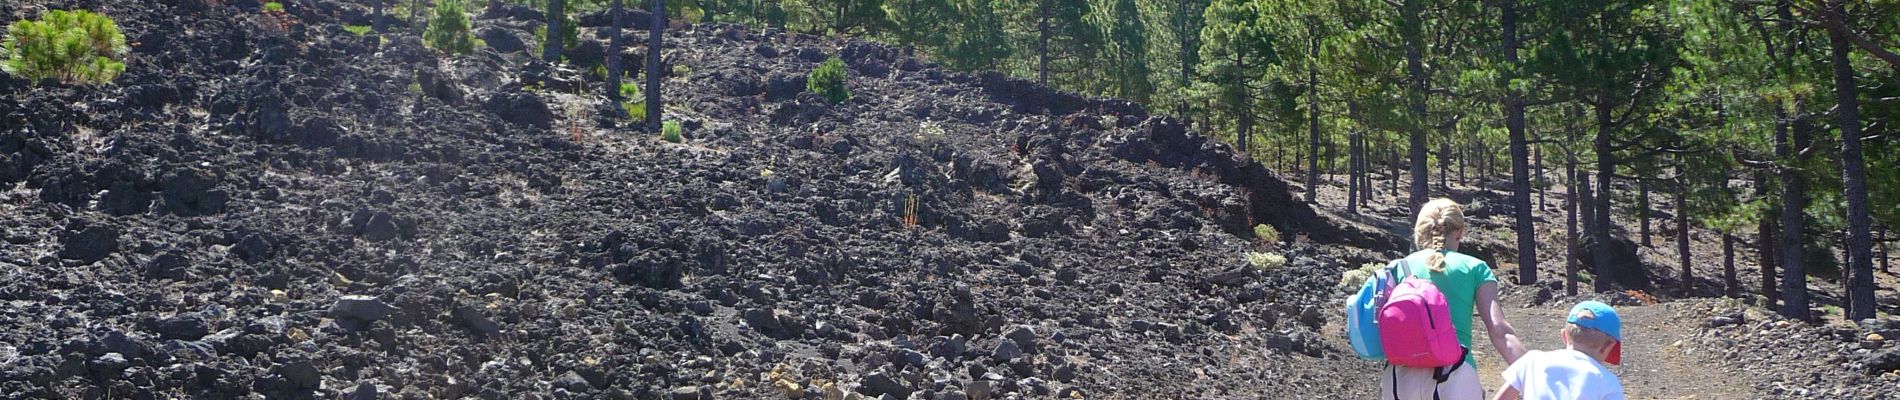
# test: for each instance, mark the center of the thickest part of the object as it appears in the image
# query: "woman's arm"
(1503, 336)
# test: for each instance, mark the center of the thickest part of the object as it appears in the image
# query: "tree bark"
(655, 36)
(1606, 170)
(614, 44)
(1571, 203)
(1767, 238)
(1730, 287)
(1312, 125)
(557, 17)
(1794, 196)
(1881, 241)
(1042, 42)
(1413, 28)
(1520, 155)
(1537, 157)
(376, 16)
(1854, 173)
(1642, 208)
(1687, 278)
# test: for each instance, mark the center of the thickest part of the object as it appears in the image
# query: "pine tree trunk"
(376, 16)
(655, 36)
(1846, 277)
(1042, 42)
(1794, 196)
(557, 16)
(1687, 280)
(1767, 238)
(1730, 287)
(1571, 204)
(1412, 28)
(1537, 157)
(1606, 170)
(1880, 241)
(1520, 156)
(1312, 126)
(1642, 208)
(614, 44)
(1860, 287)
(414, 5)
(1444, 162)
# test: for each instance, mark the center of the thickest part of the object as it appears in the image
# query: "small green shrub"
(448, 30)
(1351, 279)
(274, 7)
(828, 81)
(358, 30)
(635, 103)
(629, 90)
(682, 71)
(636, 110)
(1266, 261)
(670, 131)
(70, 46)
(1266, 233)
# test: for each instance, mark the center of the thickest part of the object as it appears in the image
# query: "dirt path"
(1654, 364)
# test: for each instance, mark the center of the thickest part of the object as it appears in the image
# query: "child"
(1593, 335)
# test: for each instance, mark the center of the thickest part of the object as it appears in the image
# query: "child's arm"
(1506, 393)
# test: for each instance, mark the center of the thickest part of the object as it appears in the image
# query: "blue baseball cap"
(1601, 317)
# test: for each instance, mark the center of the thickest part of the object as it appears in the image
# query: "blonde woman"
(1468, 284)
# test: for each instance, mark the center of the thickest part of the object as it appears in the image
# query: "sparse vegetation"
(1266, 234)
(274, 7)
(1265, 261)
(682, 71)
(449, 29)
(358, 30)
(635, 103)
(672, 132)
(1354, 277)
(828, 81)
(69, 46)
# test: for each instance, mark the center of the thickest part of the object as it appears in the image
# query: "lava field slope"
(305, 213)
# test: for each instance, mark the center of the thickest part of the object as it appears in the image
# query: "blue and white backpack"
(1362, 313)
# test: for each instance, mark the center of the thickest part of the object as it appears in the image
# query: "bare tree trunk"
(1537, 157)
(614, 44)
(1606, 170)
(1413, 29)
(1881, 239)
(1571, 204)
(1730, 287)
(1860, 286)
(1642, 208)
(1794, 199)
(1042, 42)
(1520, 154)
(655, 37)
(1312, 126)
(1767, 238)
(376, 16)
(1687, 280)
(557, 18)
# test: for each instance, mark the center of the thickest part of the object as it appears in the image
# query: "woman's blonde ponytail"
(1437, 220)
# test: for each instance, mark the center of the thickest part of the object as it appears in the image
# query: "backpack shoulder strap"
(1402, 269)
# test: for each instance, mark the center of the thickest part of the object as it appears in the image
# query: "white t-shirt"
(1562, 375)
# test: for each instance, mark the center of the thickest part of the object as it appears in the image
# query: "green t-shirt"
(1460, 281)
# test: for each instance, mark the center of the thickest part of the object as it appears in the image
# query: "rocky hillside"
(305, 212)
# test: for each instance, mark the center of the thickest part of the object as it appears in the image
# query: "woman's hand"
(1503, 336)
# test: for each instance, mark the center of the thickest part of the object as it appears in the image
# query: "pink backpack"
(1415, 325)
